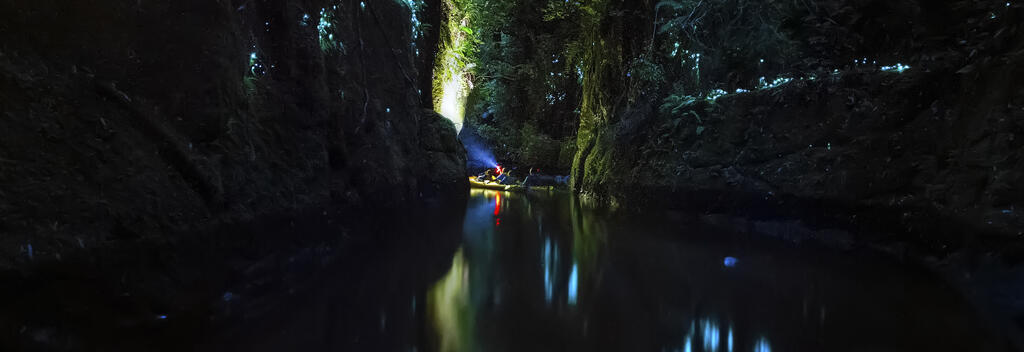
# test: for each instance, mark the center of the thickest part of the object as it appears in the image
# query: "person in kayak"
(486, 176)
(505, 177)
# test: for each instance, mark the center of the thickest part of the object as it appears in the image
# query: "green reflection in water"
(449, 308)
(589, 241)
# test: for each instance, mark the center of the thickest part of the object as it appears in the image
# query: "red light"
(497, 203)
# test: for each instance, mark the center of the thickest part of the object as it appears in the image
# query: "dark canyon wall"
(122, 120)
(801, 120)
(940, 140)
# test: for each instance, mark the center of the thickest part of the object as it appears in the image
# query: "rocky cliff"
(919, 158)
(128, 120)
(930, 149)
(916, 147)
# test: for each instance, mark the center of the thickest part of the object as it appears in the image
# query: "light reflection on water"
(711, 338)
(710, 335)
(762, 345)
(450, 311)
(572, 253)
(729, 341)
(573, 284)
(554, 273)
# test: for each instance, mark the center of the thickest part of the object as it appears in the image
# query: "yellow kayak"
(490, 185)
(500, 187)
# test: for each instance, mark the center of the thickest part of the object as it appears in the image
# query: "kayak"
(500, 187)
(491, 185)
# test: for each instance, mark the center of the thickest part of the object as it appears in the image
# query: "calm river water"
(539, 272)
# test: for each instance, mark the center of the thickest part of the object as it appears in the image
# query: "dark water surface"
(541, 273)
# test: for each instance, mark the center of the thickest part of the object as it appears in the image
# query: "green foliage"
(679, 110)
(677, 104)
(538, 149)
(730, 41)
(645, 70)
(566, 10)
(523, 77)
(679, 121)
(457, 53)
(677, 8)
(455, 60)
(645, 75)
(504, 141)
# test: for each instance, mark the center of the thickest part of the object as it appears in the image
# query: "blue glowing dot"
(161, 317)
(730, 262)
(252, 56)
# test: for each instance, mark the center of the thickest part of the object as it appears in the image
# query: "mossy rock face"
(943, 137)
(566, 153)
(444, 162)
(880, 152)
(438, 133)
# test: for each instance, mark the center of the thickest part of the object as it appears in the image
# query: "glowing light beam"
(453, 101)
